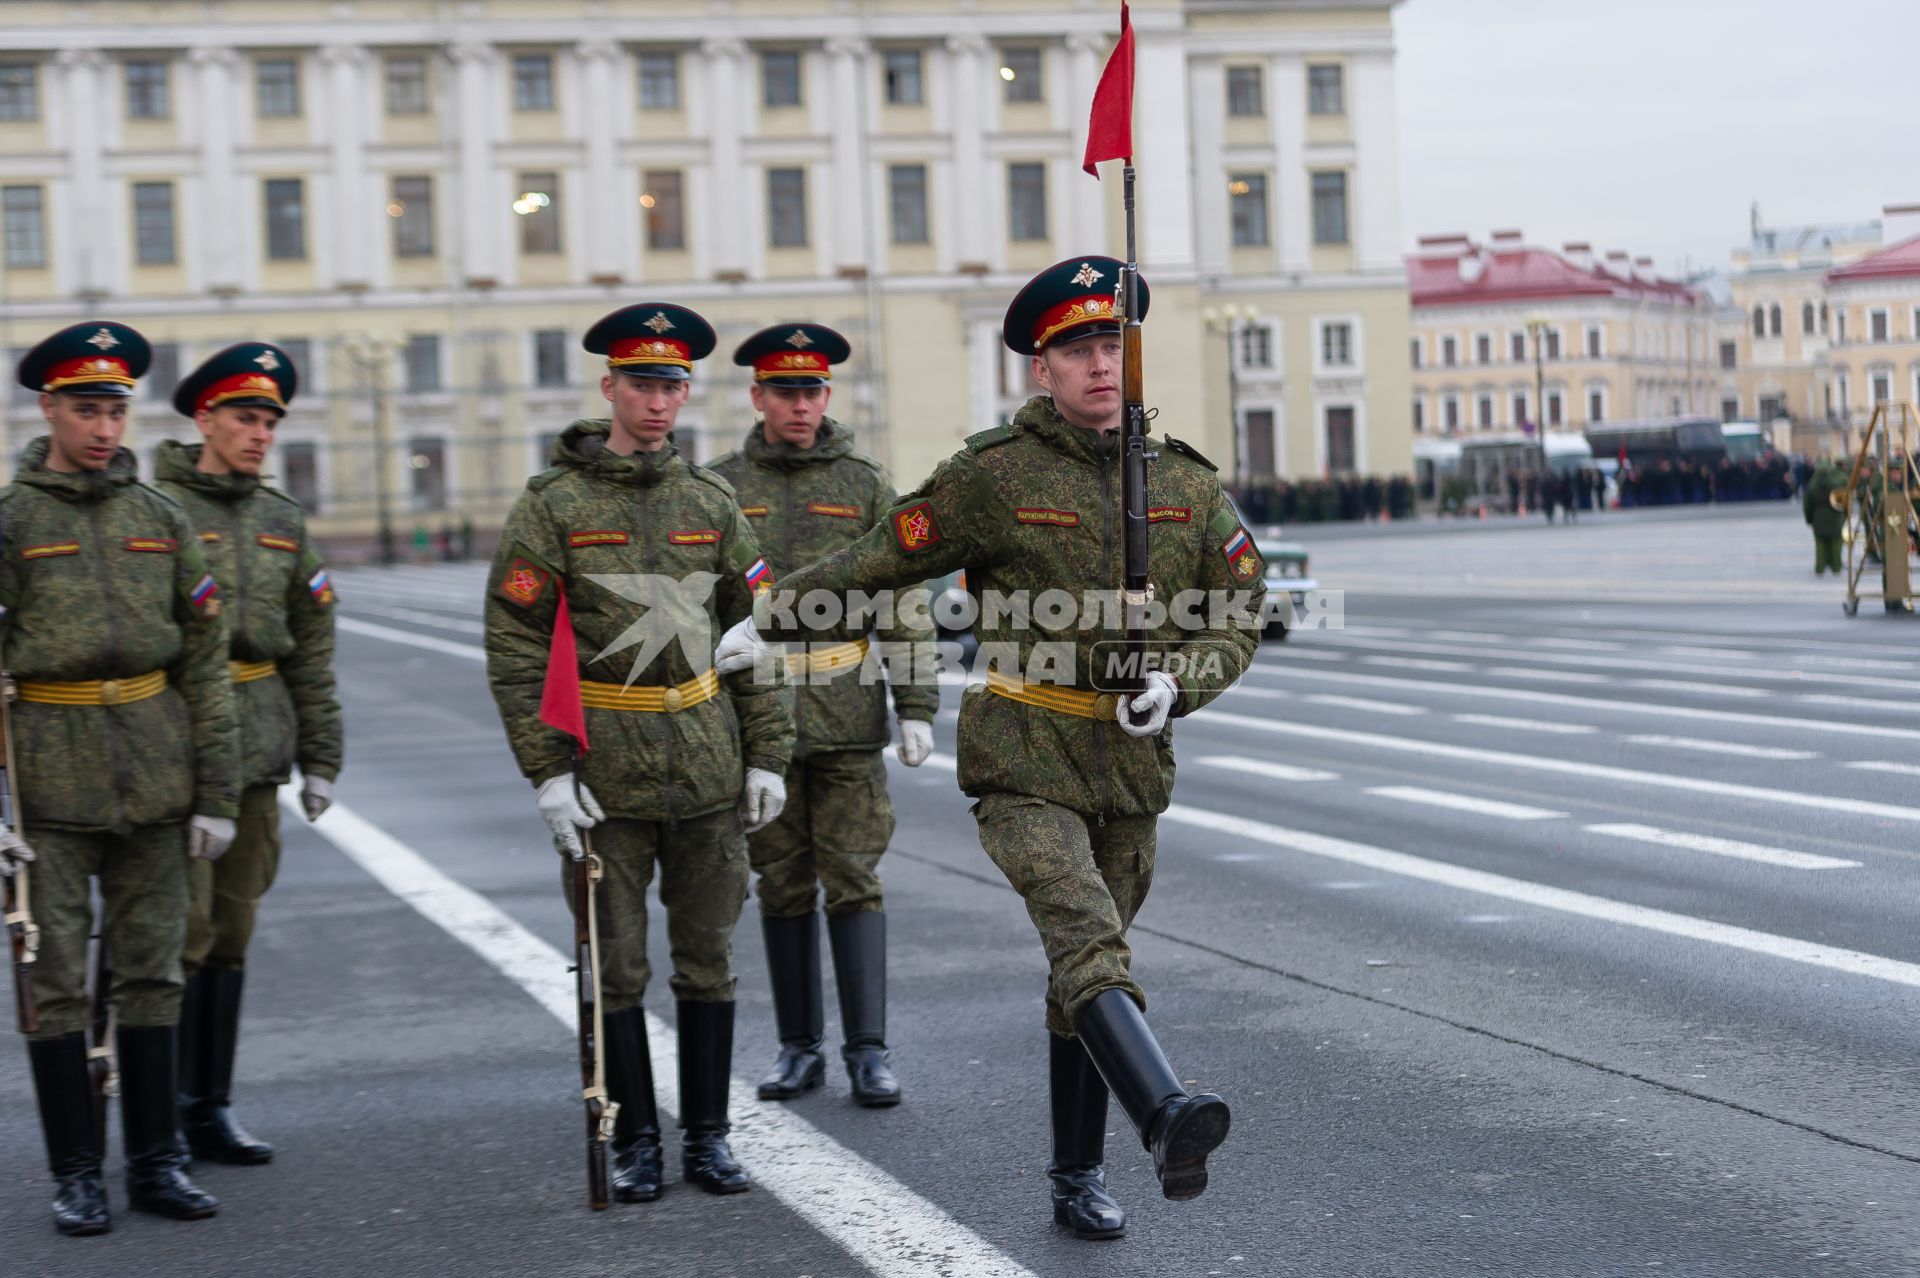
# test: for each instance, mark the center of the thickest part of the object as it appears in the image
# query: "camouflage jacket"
(804, 504)
(1035, 506)
(279, 607)
(656, 562)
(102, 577)
(1817, 503)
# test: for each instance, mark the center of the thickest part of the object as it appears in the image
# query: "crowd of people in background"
(1670, 483)
(1315, 501)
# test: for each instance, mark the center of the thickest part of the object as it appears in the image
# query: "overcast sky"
(1653, 125)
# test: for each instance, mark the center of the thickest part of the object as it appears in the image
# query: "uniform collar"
(76, 486)
(179, 463)
(640, 470)
(1041, 419)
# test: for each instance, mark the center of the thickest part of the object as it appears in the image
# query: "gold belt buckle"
(1106, 707)
(673, 701)
(109, 692)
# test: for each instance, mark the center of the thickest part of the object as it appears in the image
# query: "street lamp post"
(372, 353)
(1227, 321)
(1537, 325)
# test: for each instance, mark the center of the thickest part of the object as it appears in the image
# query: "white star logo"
(800, 340)
(660, 323)
(676, 611)
(104, 339)
(1087, 277)
(268, 361)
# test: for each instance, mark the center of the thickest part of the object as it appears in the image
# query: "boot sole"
(884, 1100)
(1197, 1131)
(227, 1157)
(765, 1092)
(1095, 1235)
(176, 1213)
(713, 1188)
(92, 1229)
(630, 1196)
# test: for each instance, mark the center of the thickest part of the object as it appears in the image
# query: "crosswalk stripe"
(1548, 676)
(1722, 847)
(1417, 663)
(1859, 703)
(1362, 703)
(1722, 747)
(1265, 768)
(1875, 765)
(1705, 689)
(439, 621)
(1463, 803)
(465, 651)
(1525, 725)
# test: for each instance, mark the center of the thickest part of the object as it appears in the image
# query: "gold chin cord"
(609, 1108)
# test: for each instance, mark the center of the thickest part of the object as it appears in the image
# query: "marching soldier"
(1825, 516)
(808, 493)
(652, 559)
(1068, 780)
(279, 609)
(125, 746)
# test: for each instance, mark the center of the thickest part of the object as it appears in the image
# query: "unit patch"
(1058, 518)
(152, 545)
(524, 582)
(50, 549)
(272, 542)
(759, 577)
(832, 508)
(1169, 514)
(913, 528)
(320, 586)
(1243, 561)
(694, 537)
(597, 537)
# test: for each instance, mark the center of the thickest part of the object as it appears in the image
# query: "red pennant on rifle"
(1110, 129)
(560, 697)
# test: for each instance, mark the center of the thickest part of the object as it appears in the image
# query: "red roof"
(1893, 262)
(1526, 275)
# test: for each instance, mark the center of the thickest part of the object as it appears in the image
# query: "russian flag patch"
(759, 576)
(320, 586)
(203, 596)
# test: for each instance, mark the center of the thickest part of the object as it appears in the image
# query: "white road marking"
(1706, 689)
(1298, 649)
(873, 1217)
(1264, 768)
(1860, 703)
(1722, 747)
(1504, 888)
(1265, 694)
(1565, 767)
(1416, 663)
(1361, 703)
(470, 652)
(1722, 847)
(1581, 645)
(1549, 676)
(1524, 725)
(1463, 803)
(439, 621)
(1876, 765)
(1711, 654)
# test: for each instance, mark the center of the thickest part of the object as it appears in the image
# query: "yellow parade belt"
(1074, 701)
(95, 692)
(838, 656)
(683, 696)
(252, 671)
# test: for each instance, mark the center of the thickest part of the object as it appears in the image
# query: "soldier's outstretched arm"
(910, 633)
(523, 589)
(764, 709)
(1216, 655)
(200, 672)
(308, 670)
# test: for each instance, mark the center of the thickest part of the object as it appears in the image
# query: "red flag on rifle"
(1110, 129)
(560, 697)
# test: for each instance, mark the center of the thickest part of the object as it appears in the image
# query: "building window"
(1519, 407)
(1882, 387)
(1594, 339)
(1256, 346)
(411, 209)
(1759, 321)
(19, 91)
(276, 88)
(1596, 405)
(1483, 348)
(300, 474)
(163, 370)
(1823, 317)
(1027, 201)
(407, 85)
(147, 89)
(1450, 413)
(300, 353)
(1259, 429)
(533, 82)
(1556, 412)
(1729, 354)
(1245, 96)
(666, 212)
(1419, 416)
(1915, 331)
(1020, 69)
(907, 202)
(780, 78)
(286, 219)
(1247, 193)
(423, 363)
(1840, 328)
(427, 460)
(1415, 345)
(1449, 352)
(550, 357)
(1807, 320)
(901, 68)
(1340, 442)
(1773, 320)
(539, 210)
(659, 81)
(1330, 208)
(1553, 343)
(1326, 94)
(1336, 345)
(787, 208)
(1730, 409)
(1517, 347)
(1877, 325)
(153, 223)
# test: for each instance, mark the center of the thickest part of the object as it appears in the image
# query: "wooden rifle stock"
(103, 1075)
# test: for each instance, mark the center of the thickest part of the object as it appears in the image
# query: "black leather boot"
(156, 1181)
(706, 1058)
(190, 1048)
(637, 1175)
(1178, 1129)
(860, 972)
(66, 1120)
(207, 1120)
(793, 963)
(1080, 1198)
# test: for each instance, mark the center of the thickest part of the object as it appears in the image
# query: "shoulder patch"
(913, 527)
(524, 582)
(1188, 450)
(981, 441)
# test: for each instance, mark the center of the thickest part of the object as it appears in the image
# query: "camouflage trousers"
(830, 835)
(703, 885)
(227, 892)
(143, 884)
(1083, 882)
(1827, 553)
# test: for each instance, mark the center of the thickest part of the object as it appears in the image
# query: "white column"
(1160, 137)
(1376, 183)
(728, 187)
(354, 199)
(481, 214)
(85, 222)
(220, 202)
(1292, 195)
(599, 58)
(1210, 211)
(1087, 223)
(971, 189)
(846, 208)
(984, 353)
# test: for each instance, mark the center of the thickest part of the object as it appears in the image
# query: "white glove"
(1146, 714)
(14, 851)
(741, 648)
(916, 742)
(567, 813)
(761, 799)
(316, 795)
(210, 836)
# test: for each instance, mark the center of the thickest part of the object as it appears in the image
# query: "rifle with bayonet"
(1138, 591)
(586, 967)
(23, 937)
(103, 1068)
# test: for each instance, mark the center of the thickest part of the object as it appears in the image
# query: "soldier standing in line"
(279, 609)
(653, 559)
(126, 753)
(1069, 780)
(1827, 520)
(808, 493)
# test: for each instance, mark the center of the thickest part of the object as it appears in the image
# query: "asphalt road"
(1539, 930)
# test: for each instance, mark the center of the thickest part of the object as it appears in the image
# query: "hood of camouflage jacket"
(1039, 418)
(179, 463)
(832, 443)
(79, 485)
(640, 470)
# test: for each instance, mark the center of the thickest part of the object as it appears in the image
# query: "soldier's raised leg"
(853, 822)
(782, 860)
